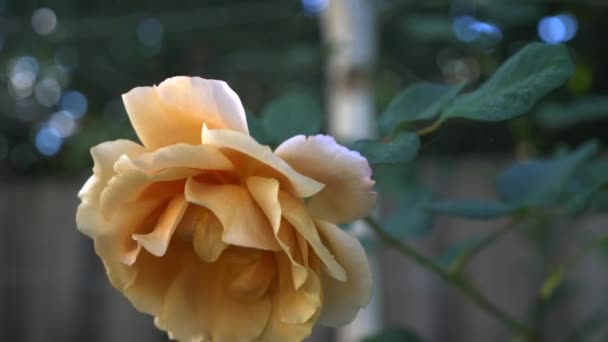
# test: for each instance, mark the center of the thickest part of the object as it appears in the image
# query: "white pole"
(349, 30)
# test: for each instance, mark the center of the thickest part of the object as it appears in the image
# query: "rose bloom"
(218, 237)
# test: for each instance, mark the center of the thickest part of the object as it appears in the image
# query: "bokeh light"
(468, 29)
(47, 92)
(74, 103)
(314, 6)
(48, 141)
(557, 29)
(44, 21)
(63, 124)
(23, 72)
(150, 32)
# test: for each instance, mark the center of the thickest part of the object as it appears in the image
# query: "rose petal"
(265, 191)
(348, 193)
(343, 300)
(295, 212)
(205, 231)
(175, 111)
(243, 221)
(88, 219)
(297, 306)
(199, 307)
(158, 240)
(278, 331)
(166, 164)
(243, 143)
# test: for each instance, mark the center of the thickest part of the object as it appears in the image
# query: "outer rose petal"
(243, 143)
(175, 111)
(348, 193)
(342, 300)
(170, 163)
(88, 219)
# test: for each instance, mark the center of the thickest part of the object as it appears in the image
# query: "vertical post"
(349, 30)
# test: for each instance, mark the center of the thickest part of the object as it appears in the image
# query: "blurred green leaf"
(411, 220)
(589, 180)
(541, 182)
(457, 253)
(419, 101)
(555, 115)
(394, 334)
(290, 115)
(471, 209)
(517, 85)
(400, 149)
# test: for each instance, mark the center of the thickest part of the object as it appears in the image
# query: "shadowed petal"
(348, 193)
(342, 300)
(243, 221)
(295, 212)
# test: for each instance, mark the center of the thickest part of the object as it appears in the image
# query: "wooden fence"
(53, 288)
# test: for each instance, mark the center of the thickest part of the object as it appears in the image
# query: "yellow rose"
(216, 236)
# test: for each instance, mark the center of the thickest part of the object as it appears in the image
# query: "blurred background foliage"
(65, 64)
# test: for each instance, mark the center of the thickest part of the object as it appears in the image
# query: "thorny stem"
(454, 279)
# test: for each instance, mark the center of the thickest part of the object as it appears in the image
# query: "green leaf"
(471, 209)
(400, 149)
(586, 185)
(290, 115)
(555, 115)
(541, 182)
(411, 220)
(419, 101)
(516, 86)
(394, 334)
(457, 254)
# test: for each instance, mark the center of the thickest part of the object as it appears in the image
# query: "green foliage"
(541, 182)
(290, 115)
(472, 209)
(399, 149)
(419, 101)
(516, 86)
(559, 116)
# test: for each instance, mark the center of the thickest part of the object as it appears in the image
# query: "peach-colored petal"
(297, 306)
(255, 276)
(205, 231)
(342, 300)
(166, 164)
(175, 111)
(243, 143)
(243, 221)
(295, 212)
(278, 331)
(211, 100)
(202, 157)
(104, 155)
(199, 307)
(157, 241)
(265, 191)
(348, 193)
